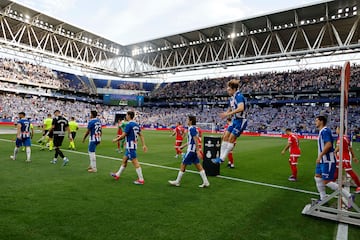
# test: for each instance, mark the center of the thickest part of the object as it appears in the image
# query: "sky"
(132, 21)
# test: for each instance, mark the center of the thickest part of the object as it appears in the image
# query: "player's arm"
(31, 130)
(229, 112)
(337, 149)
(52, 126)
(18, 131)
(119, 137)
(86, 134)
(325, 150)
(142, 139)
(182, 146)
(67, 129)
(286, 148)
(197, 149)
(353, 154)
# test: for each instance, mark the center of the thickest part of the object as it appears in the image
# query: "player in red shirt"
(294, 149)
(346, 165)
(230, 154)
(119, 133)
(179, 133)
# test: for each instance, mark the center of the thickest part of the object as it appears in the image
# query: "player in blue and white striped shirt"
(131, 134)
(95, 131)
(236, 110)
(23, 136)
(326, 161)
(192, 155)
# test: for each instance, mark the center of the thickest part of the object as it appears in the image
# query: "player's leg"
(223, 146)
(43, 142)
(319, 182)
(228, 146)
(51, 140)
(18, 143)
(293, 160)
(58, 152)
(176, 146)
(42, 137)
(231, 159)
(140, 180)
(27, 144)
(328, 172)
(355, 178)
(178, 150)
(348, 169)
(122, 168)
(181, 172)
(57, 144)
(72, 142)
(92, 156)
(51, 144)
(185, 161)
(203, 175)
(234, 130)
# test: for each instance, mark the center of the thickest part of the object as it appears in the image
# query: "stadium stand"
(276, 99)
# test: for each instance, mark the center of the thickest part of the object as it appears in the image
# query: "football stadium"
(101, 140)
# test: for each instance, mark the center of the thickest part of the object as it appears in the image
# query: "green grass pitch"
(40, 200)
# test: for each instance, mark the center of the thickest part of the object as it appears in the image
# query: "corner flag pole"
(345, 79)
(318, 209)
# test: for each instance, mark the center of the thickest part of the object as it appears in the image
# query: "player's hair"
(228, 119)
(22, 113)
(49, 115)
(192, 119)
(233, 84)
(72, 118)
(56, 111)
(93, 113)
(131, 114)
(344, 128)
(322, 118)
(288, 130)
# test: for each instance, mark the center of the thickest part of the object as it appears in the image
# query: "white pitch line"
(342, 232)
(195, 172)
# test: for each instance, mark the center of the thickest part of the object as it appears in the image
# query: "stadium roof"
(307, 31)
(328, 27)
(47, 23)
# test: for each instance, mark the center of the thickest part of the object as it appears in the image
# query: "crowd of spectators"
(260, 119)
(29, 74)
(40, 83)
(37, 108)
(264, 82)
(129, 86)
